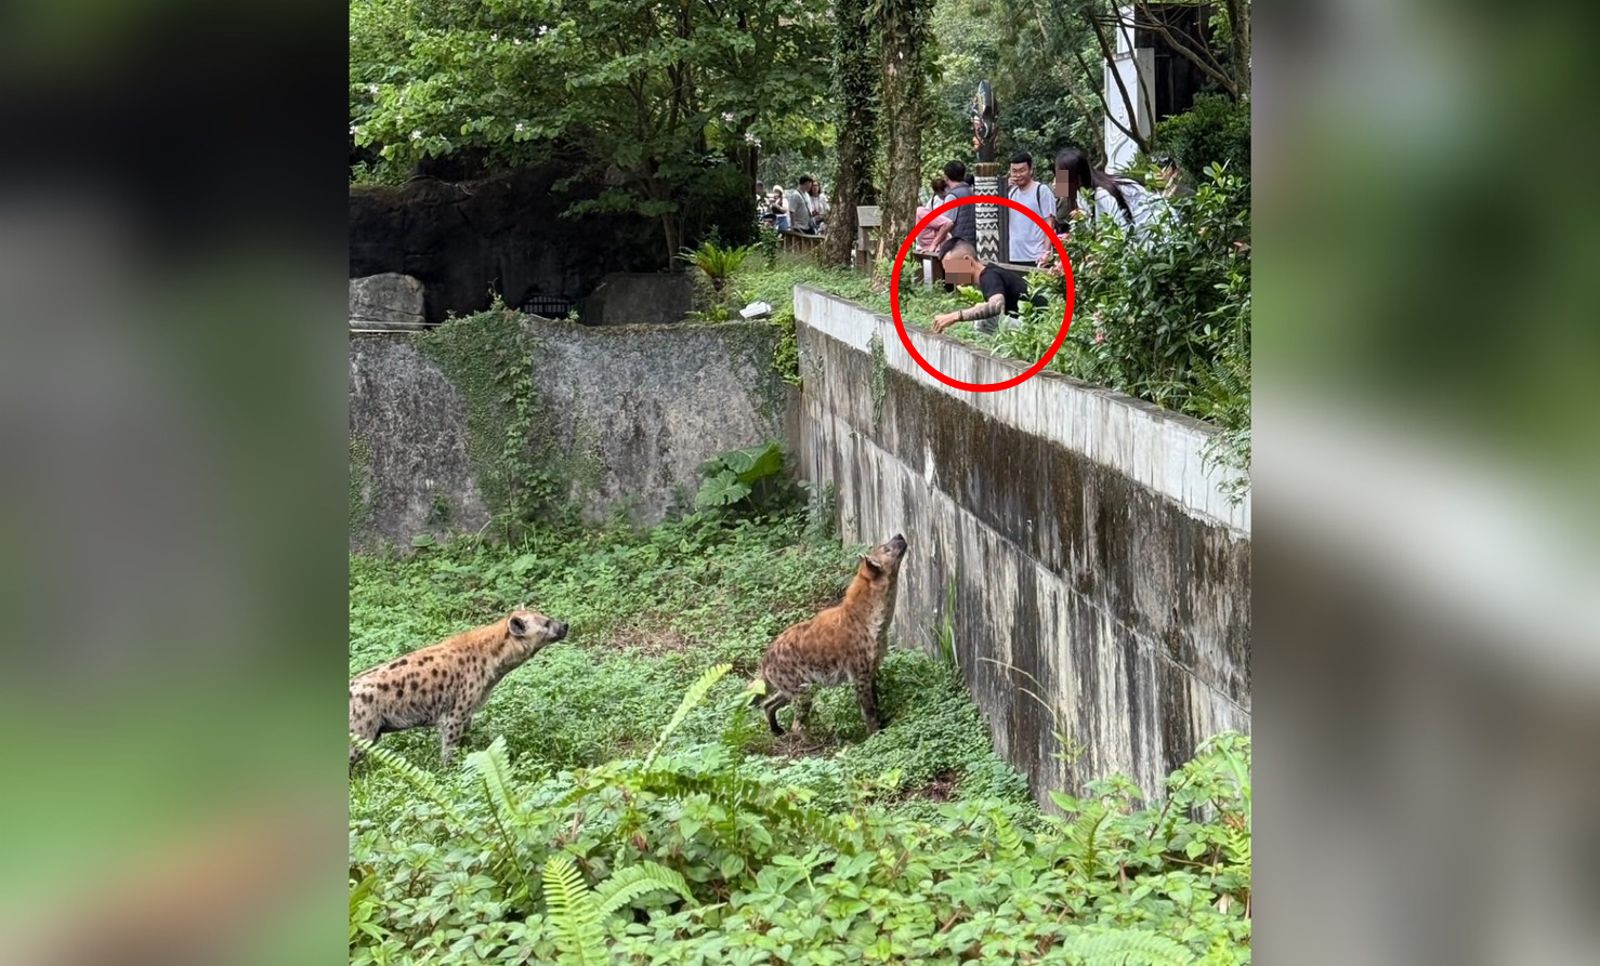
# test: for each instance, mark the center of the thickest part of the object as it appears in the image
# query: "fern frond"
(736, 792)
(692, 699)
(1006, 834)
(417, 778)
(1085, 834)
(574, 913)
(630, 883)
(493, 766)
(1124, 947)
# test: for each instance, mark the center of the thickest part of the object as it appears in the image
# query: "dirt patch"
(942, 788)
(651, 635)
(798, 745)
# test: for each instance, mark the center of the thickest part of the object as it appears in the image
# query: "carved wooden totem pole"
(987, 178)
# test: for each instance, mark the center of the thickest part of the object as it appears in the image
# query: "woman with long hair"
(1108, 193)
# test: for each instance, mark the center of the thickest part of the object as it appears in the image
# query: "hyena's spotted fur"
(843, 643)
(444, 684)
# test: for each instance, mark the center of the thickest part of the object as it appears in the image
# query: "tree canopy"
(645, 96)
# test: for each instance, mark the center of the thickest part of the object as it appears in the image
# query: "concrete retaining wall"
(629, 411)
(1094, 563)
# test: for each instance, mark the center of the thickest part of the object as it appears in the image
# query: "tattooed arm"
(983, 310)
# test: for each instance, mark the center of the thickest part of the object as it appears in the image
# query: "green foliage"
(573, 913)
(717, 264)
(360, 479)
(786, 351)
(691, 699)
(1216, 130)
(486, 356)
(714, 860)
(1164, 316)
(751, 478)
(618, 760)
(657, 102)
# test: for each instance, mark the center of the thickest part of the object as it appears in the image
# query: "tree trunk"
(905, 104)
(1239, 20)
(856, 96)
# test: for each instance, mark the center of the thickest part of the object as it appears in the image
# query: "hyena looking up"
(447, 682)
(843, 643)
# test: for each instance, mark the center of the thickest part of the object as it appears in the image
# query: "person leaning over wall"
(1003, 290)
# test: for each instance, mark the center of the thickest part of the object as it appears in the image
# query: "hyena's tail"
(759, 689)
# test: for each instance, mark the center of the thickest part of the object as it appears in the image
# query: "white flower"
(416, 135)
(519, 127)
(494, 36)
(372, 89)
(752, 139)
(543, 30)
(516, 41)
(727, 116)
(353, 130)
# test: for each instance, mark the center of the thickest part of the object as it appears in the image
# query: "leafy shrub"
(699, 857)
(717, 264)
(1216, 130)
(752, 476)
(628, 807)
(1164, 316)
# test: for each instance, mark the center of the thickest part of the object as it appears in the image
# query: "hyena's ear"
(871, 564)
(519, 627)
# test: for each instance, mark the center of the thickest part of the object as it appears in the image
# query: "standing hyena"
(843, 643)
(445, 683)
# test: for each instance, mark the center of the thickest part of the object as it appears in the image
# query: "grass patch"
(649, 612)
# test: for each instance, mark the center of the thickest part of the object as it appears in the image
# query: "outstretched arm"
(995, 304)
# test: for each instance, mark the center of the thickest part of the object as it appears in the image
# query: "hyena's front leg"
(364, 724)
(867, 697)
(452, 725)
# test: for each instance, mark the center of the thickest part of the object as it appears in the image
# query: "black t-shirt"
(1000, 281)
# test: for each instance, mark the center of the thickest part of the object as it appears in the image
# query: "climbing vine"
(786, 349)
(486, 357)
(880, 378)
(360, 477)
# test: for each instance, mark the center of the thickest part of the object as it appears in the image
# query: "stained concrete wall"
(642, 406)
(410, 472)
(1094, 562)
(630, 413)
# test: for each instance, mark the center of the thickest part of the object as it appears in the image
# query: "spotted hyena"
(445, 683)
(843, 643)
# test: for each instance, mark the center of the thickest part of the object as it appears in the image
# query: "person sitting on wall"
(931, 239)
(1002, 290)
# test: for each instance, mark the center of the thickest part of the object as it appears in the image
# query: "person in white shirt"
(799, 199)
(818, 200)
(1092, 193)
(1029, 244)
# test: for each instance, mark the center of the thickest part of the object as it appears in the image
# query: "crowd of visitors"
(803, 208)
(1077, 192)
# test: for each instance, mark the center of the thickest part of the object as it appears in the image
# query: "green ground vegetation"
(622, 802)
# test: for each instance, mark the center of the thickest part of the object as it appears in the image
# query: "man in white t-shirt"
(1029, 245)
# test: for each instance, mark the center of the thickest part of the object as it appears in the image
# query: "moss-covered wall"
(490, 421)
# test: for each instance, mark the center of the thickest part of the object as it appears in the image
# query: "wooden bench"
(867, 216)
(798, 241)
